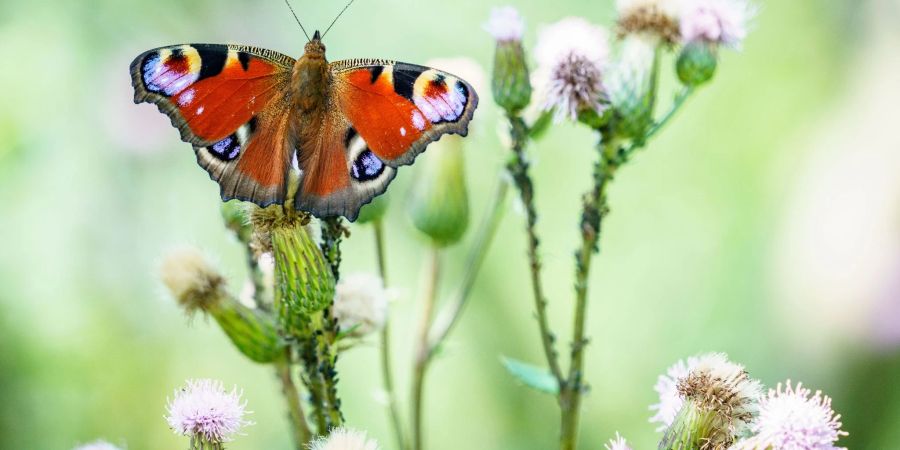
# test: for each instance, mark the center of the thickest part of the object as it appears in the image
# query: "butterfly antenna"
(297, 19)
(336, 18)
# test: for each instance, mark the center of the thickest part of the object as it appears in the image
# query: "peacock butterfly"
(324, 137)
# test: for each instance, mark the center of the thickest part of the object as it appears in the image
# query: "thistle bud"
(304, 284)
(697, 63)
(373, 211)
(510, 84)
(197, 286)
(439, 206)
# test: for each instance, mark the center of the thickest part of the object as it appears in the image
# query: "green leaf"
(532, 376)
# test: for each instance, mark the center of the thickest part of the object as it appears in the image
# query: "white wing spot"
(418, 121)
(199, 110)
(402, 131)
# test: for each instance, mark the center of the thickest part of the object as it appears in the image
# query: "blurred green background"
(763, 222)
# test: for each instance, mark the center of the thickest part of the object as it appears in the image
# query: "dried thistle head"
(657, 18)
(192, 280)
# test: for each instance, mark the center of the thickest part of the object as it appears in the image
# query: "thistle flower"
(706, 25)
(670, 400)
(653, 18)
(510, 80)
(197, 285)
(97, 445)
(790, 419)
(344, 439)
(617, 444)
(208, 414)
(722, 22)
(505, 24)
(719, 404)
(360, 303)
(572, 57)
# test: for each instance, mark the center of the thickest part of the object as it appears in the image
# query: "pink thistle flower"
(791, 419)
(716, 21)
(205, 410)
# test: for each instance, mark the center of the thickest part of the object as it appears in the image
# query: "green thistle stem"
(518, 169)
(679, 101)
(387, 372)
(594, 210)
(333, 233)
(450, 315)
(300, 429)
(422, 351)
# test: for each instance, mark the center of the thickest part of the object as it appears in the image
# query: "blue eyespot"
(367, 166)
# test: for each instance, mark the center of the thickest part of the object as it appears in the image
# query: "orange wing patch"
(389, 123)
(400, 108)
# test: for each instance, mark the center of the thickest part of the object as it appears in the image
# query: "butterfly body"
(323, 137)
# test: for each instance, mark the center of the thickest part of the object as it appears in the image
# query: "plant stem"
(679, 101)
(300, 429)
(333, 232)
(387, 372)
(449, 316)
(422, 352)
(594, 210)
(518, 168)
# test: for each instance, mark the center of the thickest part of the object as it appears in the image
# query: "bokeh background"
(764, 222)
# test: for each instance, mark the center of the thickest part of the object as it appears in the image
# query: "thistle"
(707, 25)
(511, 84)
(344, 439)
(198, 286)
(794, 418)
(572, 57)
(361, 304)
(206, 413)
(97, 445)
(719, 405)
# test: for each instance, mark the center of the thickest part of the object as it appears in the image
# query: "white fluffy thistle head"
(344, 439)
(203, 409)
(794, 418)
(572, 57)
(361, 303)
(505, 24)
(670, 400)
(618, 443)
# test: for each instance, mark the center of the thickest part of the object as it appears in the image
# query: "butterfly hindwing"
(384, 114)
(231, 103)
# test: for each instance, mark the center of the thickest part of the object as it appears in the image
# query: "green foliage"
(535, 377)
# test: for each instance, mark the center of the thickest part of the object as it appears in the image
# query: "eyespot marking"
(366, 166)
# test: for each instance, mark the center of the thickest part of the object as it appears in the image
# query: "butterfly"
(324, 137)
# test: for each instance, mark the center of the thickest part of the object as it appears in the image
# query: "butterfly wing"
(383, 115)
(231, 103)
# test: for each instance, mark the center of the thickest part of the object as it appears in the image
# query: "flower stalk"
(518, 168)
(386, 366)
(422, 353)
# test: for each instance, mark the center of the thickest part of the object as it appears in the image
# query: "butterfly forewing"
(231, 103)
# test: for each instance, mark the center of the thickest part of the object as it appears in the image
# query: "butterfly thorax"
(310, 80)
